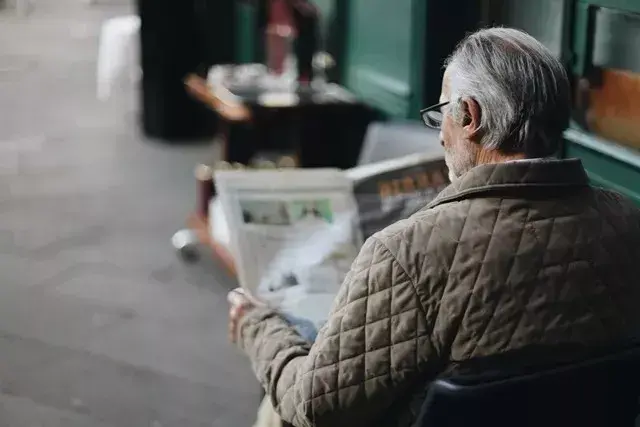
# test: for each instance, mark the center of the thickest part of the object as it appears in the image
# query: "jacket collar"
(509, 176)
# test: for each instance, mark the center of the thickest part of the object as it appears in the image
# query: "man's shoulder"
(419, 227)
(616, 201)
(618, 210)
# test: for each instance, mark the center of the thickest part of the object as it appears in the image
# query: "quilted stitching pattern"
(377, 338)
(502, 260)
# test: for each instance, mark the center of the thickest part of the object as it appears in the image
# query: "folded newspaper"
(294, 233)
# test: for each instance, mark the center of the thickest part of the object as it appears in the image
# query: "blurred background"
(106, 107)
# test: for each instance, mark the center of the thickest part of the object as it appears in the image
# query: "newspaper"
(295, 233)
(392, 190)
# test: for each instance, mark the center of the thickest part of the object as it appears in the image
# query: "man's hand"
(239, 305)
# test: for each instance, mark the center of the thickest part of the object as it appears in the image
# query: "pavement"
(101, 324)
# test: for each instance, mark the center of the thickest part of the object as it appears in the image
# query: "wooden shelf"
(200, 226)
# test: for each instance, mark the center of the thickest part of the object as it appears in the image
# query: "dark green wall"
(380, 53)
(395, 49)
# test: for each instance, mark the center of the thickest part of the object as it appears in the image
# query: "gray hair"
(521, 87)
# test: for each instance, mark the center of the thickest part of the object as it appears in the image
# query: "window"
(607, 100)
(606, 53)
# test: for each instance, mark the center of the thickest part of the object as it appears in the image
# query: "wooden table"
(233, 112)
(323, 128)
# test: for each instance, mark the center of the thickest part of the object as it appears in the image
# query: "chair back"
(388, 140)
(601, 392)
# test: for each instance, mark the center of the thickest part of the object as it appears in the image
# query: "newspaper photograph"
(294, 234)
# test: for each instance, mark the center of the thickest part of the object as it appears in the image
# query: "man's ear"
(472, 117)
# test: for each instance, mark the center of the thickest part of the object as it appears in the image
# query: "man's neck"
(484, 157)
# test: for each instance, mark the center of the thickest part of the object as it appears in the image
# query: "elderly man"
(518, 258)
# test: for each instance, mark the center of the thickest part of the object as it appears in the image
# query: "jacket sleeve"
(372, 349)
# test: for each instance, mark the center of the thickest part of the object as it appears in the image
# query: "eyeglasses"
(433, 116)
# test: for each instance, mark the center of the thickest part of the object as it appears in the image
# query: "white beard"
(458, 166)
(452, 175)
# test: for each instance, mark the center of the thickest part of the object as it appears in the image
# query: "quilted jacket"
(510, 256)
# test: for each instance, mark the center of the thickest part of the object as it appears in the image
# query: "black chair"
(599, 392)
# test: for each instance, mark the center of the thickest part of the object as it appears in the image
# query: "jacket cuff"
(250, 325)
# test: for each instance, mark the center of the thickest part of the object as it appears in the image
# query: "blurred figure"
(519, 263)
